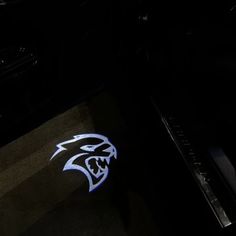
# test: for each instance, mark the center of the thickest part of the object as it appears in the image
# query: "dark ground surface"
(149, 190)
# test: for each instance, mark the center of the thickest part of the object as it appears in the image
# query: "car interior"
(117, 118)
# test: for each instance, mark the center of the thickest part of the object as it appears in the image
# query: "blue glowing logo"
(93, 158)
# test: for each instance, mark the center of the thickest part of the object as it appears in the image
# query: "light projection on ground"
(93, 157)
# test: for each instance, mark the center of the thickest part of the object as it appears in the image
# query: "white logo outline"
(102, 171)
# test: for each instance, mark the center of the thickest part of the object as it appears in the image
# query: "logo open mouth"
(97, 166)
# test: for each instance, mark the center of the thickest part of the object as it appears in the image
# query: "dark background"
(181, 54)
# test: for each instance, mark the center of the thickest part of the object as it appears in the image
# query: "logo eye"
(89, 148)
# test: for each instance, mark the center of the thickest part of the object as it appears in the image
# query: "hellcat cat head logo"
(93, 157)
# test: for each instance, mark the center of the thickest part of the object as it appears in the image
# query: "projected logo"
(93, 156)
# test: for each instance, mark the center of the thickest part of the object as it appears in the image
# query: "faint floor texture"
(37, 198)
